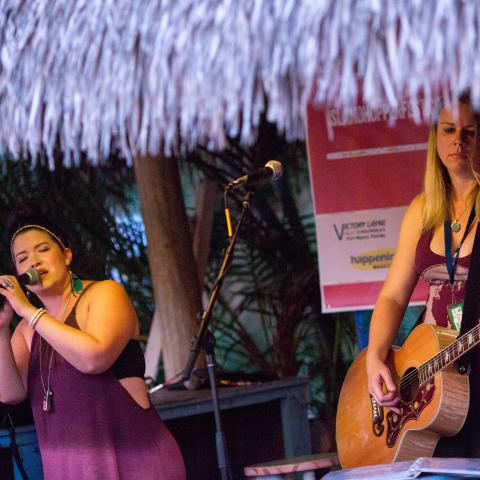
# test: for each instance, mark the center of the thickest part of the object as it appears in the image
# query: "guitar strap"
(471, 305)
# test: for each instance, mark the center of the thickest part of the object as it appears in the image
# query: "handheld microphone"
(30, 277)
(270, 172)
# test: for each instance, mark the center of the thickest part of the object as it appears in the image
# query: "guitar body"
(430, 410)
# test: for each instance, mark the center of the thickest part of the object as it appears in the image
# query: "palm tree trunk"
(170, 254)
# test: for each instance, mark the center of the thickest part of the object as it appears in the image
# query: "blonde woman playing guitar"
(398, 405)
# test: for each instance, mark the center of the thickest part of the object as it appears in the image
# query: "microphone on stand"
(272, 171)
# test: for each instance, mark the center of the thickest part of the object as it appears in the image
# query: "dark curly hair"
(25, 214)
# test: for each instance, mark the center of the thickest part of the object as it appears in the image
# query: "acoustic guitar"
(434, 400)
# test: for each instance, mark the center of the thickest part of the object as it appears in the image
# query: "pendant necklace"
(456, 225)
(47, 406)
(47, 392)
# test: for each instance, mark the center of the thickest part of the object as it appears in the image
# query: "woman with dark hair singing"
(77, 360)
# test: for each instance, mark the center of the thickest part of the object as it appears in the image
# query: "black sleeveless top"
(131, 362)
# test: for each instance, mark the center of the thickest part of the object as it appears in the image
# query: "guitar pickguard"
(409, 411)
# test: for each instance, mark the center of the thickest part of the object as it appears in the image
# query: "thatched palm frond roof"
(148, 76)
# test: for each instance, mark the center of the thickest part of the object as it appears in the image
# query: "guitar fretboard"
(449, 354)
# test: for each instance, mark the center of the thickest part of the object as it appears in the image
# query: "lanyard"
(451, 259)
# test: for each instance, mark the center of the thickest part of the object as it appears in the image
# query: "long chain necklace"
(47, 392)
(47, 405)
(456, 226)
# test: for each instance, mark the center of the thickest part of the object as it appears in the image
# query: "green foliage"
(268, 316)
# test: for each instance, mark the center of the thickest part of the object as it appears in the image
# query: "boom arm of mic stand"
(197, 343)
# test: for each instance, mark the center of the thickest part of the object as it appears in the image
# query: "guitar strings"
(415, 376)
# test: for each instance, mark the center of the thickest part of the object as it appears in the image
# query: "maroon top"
(433, 269)
(97, 430)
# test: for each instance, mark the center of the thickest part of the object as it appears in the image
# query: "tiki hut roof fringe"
(161, 76)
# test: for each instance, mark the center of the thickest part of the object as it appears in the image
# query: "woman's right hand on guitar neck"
(380, 383)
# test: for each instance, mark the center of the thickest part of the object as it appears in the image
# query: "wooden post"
(172, 266)
(206, 196)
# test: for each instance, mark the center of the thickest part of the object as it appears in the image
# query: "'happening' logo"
(381, 258)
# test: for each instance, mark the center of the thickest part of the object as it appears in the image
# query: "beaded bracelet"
(32, 323)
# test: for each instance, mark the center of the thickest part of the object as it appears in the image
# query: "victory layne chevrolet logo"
(360, 230)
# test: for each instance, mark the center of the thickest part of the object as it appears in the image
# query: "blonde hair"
(437, 186)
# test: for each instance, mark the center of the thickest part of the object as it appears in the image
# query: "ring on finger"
(8, 284)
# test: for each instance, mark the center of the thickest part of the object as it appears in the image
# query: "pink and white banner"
(364, 171)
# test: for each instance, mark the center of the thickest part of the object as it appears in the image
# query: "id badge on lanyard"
(455, 310)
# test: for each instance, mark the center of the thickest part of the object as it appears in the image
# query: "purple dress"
(97, 430)
(432, 268)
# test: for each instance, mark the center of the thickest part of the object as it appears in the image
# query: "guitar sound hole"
(409, 385)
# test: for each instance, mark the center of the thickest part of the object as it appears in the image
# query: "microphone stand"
(205, 341)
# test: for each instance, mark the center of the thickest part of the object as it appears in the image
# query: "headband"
(38, 227)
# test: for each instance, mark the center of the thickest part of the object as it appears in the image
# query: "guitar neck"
(449, 354)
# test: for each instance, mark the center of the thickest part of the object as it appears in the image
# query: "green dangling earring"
(76, 283)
